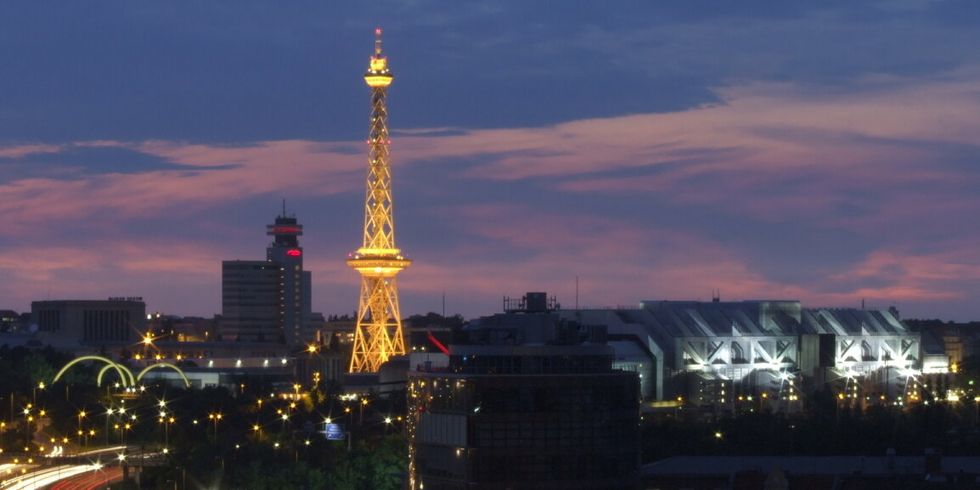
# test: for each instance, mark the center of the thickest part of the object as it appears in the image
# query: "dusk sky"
(823, 151)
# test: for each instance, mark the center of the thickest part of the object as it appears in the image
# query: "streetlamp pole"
(27, 422)
(108, 413)
(215, 417)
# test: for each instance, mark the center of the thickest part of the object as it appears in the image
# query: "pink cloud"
(618, 263)
(22, 150)
(763, 124)
(771, 153)
(285, 167)
(760, 135)
(166, 273)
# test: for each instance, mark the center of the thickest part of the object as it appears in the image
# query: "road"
(90, 481)
(47, 476)
(90, 475)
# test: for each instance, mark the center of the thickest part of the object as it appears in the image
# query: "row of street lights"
(126, 418)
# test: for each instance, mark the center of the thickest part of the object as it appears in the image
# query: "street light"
(166, 426)
(285, 418)
(28, 418)
(108, 413)
(40, 385)
(215, 417)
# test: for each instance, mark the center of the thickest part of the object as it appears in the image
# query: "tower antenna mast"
(378, 333)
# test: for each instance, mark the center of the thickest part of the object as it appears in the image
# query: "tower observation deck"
(378, 334)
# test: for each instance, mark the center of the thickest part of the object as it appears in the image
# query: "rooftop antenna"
(576, 292)
(377, 41)
(284, 207)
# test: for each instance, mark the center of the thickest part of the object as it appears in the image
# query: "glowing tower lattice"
(378, 334)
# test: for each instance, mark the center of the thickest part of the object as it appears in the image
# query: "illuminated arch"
(122, 370)
(187, 382)
(106, 368)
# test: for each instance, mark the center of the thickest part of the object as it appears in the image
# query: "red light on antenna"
(294, 252)
(377, 31)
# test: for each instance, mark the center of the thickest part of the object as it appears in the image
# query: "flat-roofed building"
(89, 323)
(527, 400)
(250, 301)
(714, 352)
(270, 300)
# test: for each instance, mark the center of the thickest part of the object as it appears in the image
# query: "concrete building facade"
(86, 324)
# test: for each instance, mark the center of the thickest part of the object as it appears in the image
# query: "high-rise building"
(526, 400)
(295, 283)
(378, 334)
(250, 301)
(270, 300)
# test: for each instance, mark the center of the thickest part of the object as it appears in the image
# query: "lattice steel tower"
(378, 334)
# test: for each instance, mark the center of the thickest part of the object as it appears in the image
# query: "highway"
(64, 476)
(90, 481)
(47, 476)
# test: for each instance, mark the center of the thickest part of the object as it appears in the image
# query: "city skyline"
(818, 152)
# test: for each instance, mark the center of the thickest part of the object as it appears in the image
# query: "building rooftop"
(747, 318)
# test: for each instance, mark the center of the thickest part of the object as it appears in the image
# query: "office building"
(92, 324)
(527, 400)
(270, 300)
(9, 321)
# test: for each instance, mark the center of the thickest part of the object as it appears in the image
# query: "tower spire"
(378, 334)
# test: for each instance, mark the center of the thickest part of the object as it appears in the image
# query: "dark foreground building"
(526, 400)
(928, 471)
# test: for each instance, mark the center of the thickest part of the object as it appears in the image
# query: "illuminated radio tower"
(378, 335)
